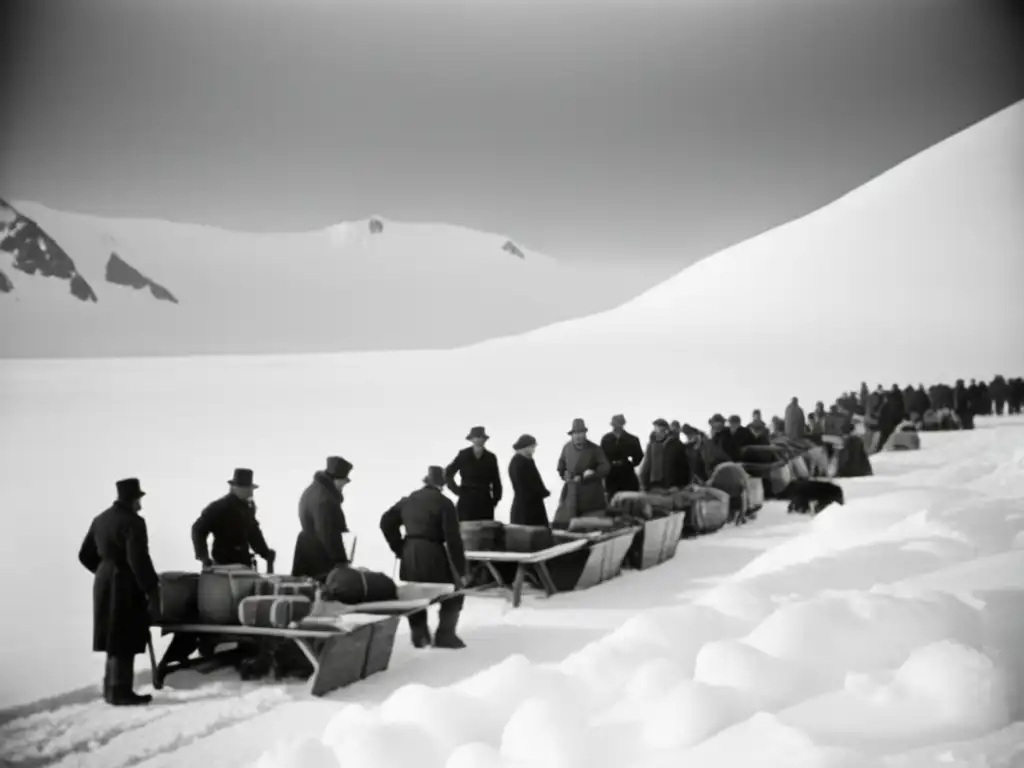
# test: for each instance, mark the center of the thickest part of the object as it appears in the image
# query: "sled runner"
(341, 643)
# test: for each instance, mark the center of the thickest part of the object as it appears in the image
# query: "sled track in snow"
(95, 735)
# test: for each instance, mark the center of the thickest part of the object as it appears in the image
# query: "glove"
(589, 473)
(271, 555)
(207, 562)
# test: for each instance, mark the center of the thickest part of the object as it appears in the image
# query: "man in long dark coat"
(479, 490)
(231, 520)
(624, 453)
(125, 591)
(528, 489)
(430, 552)
(583, 467)
(319, 547)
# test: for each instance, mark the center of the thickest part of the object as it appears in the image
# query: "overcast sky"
(633, 129)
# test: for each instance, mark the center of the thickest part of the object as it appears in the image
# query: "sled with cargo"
(341, 644)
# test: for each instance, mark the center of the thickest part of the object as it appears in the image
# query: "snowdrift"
(915, 276)
(882, 634)
(155, 288)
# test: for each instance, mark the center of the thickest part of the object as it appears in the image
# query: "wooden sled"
(590, 566)
(342, 643)
(656, 541)
(525, 563)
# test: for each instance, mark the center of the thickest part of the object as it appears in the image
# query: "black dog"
(811, 496)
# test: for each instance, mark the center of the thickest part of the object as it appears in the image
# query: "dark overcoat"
(319, 547)
(528, 491)
(589, 490)
(625, 454)
(423, 531)
(116, 552)
(479, 488)
(675, 470)
(232, 523)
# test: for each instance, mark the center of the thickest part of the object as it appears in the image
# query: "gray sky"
(633, 129)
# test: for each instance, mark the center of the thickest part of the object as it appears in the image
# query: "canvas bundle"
(527, 538)
(273, 611)
(179, 597)
(283, 585)
(481, 535)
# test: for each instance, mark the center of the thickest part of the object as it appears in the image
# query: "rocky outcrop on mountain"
(120, 272)
(6, 286)
(510, 247)
(35, 252)
(376, 226)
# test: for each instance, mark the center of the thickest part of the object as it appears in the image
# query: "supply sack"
(273, 611)
(352, 586)
(179, 597)
(221, 589)
(527, 538)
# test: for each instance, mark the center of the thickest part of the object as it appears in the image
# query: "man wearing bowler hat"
(125, 591)
(319, 547)
(430, 551)
(479, 490)
(231, 520)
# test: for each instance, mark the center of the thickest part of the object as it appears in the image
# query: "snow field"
(822, 652)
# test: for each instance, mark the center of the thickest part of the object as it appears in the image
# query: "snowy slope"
(917, 274)
(157, 288)
(883, 634)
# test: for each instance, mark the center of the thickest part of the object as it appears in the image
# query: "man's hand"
(271, 556)
(207, 562)
(589, 473)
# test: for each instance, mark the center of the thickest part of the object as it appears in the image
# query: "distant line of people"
(423, 528)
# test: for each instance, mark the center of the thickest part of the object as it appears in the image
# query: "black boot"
(445, 636)
(122, 683)
(419, 630)
(109, 675)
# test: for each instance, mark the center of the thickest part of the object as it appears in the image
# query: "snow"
(885, 633)
(914, 276)
(340, 288)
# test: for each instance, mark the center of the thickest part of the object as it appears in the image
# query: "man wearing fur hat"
(528, 489)
(431, 552)
(125, 590)
(231, 520)
(319, 547)
(624, 453)
(479, 490)
(583, 466)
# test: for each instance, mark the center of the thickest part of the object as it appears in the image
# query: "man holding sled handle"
(231, 520)
(431, 552)
(125, 591)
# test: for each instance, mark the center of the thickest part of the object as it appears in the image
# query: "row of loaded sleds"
(637, 531)
(330, 633)
(783, 461)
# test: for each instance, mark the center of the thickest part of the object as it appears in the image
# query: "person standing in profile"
(624, 453)
(231, 520)
(431, 552)
(528, 487)
(479, 490)
(319, 547)
(125, 592)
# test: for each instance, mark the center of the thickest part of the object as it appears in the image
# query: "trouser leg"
(122, 667)
(419, 629)
(447, 623)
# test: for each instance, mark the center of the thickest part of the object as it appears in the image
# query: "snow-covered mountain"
(918, 273)
(76, 285)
